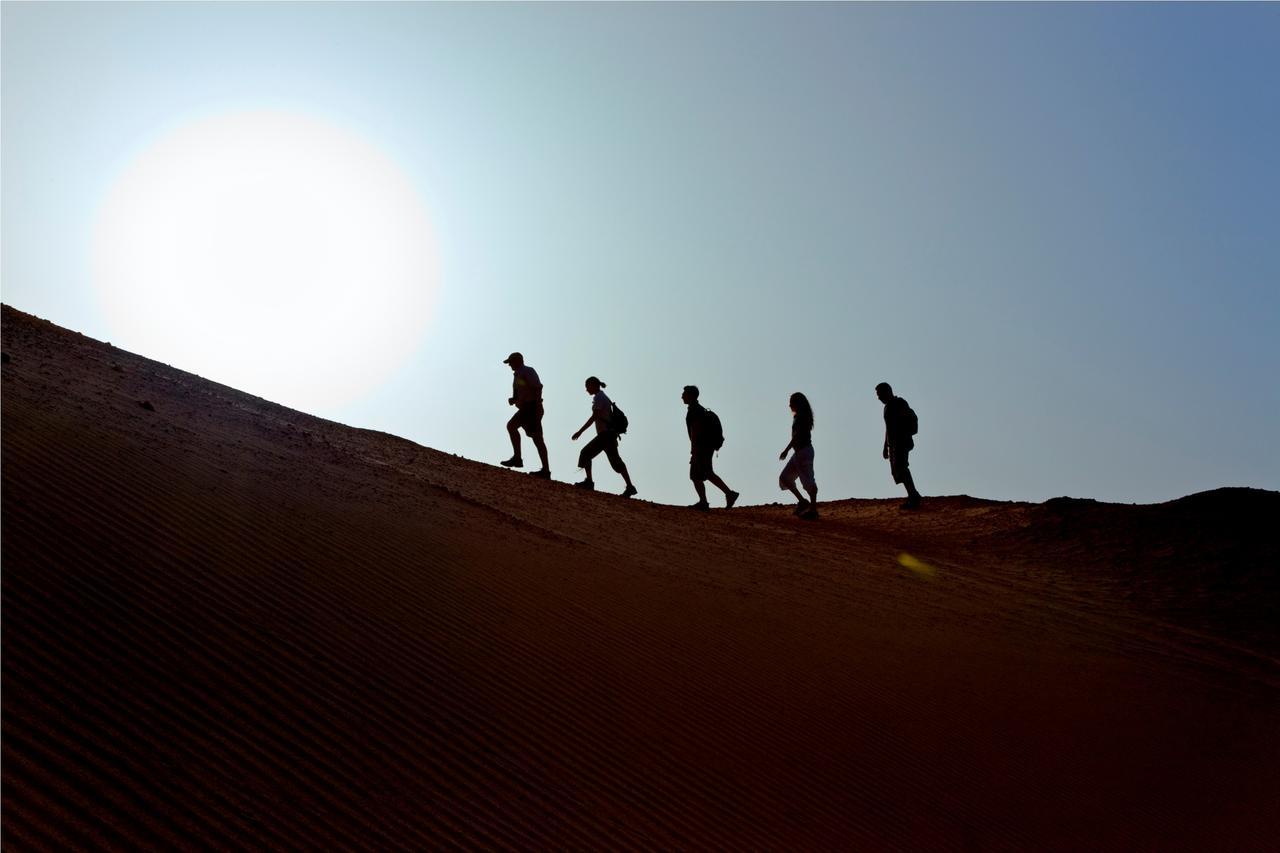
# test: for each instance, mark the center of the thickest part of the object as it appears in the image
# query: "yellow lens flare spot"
(916, 565)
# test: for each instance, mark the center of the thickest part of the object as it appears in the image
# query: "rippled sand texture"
(227, 623)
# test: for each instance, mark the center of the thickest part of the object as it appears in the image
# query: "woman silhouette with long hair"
(800, 465)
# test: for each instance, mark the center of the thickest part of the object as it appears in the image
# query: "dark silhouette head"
(516, 360)
(594, 384)
(800, 406)
(690, 394)
(884, 392)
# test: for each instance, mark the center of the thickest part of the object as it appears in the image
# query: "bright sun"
(272, 252)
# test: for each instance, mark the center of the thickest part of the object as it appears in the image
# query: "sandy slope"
(227, 623)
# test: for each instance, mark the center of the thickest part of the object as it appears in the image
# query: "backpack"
(617, 420)
(910, 423)
(712, 433)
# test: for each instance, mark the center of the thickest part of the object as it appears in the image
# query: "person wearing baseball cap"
(526, 396)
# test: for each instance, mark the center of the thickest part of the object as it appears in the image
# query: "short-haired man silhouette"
(898, 442)
(526, 396)
(701, 452)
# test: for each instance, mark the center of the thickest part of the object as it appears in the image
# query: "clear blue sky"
(1055, 229)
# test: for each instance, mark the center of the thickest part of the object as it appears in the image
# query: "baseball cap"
(515, 356)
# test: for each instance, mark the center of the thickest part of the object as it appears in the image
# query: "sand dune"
(229, 624)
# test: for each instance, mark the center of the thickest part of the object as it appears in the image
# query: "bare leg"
(701, 488)
(911, 486)
(615, 462)
(719, 484)
(542, 451)
(513, 432)
(913, 497)
(513, 429)
(792, 488)
(813, 494)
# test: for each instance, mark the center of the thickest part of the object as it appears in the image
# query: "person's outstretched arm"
(589, 422)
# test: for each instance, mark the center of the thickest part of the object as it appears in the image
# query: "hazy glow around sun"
(273, 252)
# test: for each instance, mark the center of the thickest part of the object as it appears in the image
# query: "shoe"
(628, 491)
(730, 499)
(542, 474)
(589, 485)
(810, 514)
(701, 506)
(802, 507)
(911, 503)
(513, 462)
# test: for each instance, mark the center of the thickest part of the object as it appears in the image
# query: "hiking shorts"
(700, 464)
(528, 417)
(605, 442)
(800, 466)
(899, 463)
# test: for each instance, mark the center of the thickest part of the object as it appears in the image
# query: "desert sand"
(230, 624)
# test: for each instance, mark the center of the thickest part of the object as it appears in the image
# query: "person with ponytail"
(606, 439)
(800, 465)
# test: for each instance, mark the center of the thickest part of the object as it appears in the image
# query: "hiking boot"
(912, 502)
(730, 498)
(513, 462)
(542, 474)
(802, 507)
(628, 491)
(701, 506)
(589, 485)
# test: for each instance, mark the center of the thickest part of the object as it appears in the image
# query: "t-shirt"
(693, 423)
(525, 386)
(801, 432)
(895, 422)
(602, 408)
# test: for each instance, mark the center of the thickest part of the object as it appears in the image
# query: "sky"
(1054, 229)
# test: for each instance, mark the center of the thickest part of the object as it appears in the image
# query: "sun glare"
(272, 252)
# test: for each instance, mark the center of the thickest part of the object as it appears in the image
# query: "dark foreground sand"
(229, 624)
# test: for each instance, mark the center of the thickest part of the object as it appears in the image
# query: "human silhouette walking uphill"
(526, 396)
(706, 436)
(800, 465)
(900, 424)
(610, 423)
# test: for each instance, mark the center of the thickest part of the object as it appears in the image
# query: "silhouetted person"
(899, 426)
(705, 438)
(606, 438)
(526, 396)
(800, 465)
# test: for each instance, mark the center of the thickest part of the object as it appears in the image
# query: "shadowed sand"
(228, 623)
